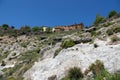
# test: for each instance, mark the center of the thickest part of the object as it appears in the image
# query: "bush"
(22, 70)
(10, 71)
(57, 52)
(107, 24)
(65, 78)
(114, 38)
(74, 74)
(48, 29)
(98, 19)
(109, 32)
(97, 68)
(30, 56)
(117, 29)
(11, 78)
(24, 44)
(36, 28)
(3, 63)
(112, 13)
(99, 71)
(5, 26)
(4, 55)
(113, 30)
(67, 43)
(93, 33)
(26, 60)
(113, 77)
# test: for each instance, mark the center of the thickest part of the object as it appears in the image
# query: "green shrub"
(11, 78)
(113, 30)
(117, 29)
(48, 29)
(98, 19)
(65, 78)
(57, 52)
(26, 60)
(3, 63)
(10, 71)
(74, 74)
(30, 56)
(24, 44)
(113, 77)
(93, 33)
(67, 43)
(114, 38)
(25, 29)
(98, 32)
(14, 78)
(1, 77)
(100, 72)
(36, 28)
(107, 24)
(23, 70)
(109, 32)
(112, 13)
(97, 68)
(4, 55)
(5, 26)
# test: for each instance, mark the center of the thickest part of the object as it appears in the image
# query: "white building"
(44, 29)
(53, 29)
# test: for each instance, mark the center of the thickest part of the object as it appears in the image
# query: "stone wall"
(69, 27)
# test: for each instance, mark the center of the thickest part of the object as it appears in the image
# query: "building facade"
(69, 27)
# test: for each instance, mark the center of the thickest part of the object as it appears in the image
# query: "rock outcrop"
(81, 55)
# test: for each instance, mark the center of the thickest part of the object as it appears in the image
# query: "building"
(69, 27)
(53, 29)
(44, 29)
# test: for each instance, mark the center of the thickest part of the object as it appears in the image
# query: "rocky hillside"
(50, 56)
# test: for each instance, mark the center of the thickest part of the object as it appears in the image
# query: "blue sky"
(53, 12)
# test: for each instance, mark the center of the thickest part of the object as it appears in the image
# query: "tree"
(98, 19)
(25, 30)
(5, 26)
(12, 27)
(36, 28)
(41, 29)
(112, 13)
(48, 29)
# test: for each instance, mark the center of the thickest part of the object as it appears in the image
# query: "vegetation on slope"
(98, 70)
(27, 59)
(67, 43)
